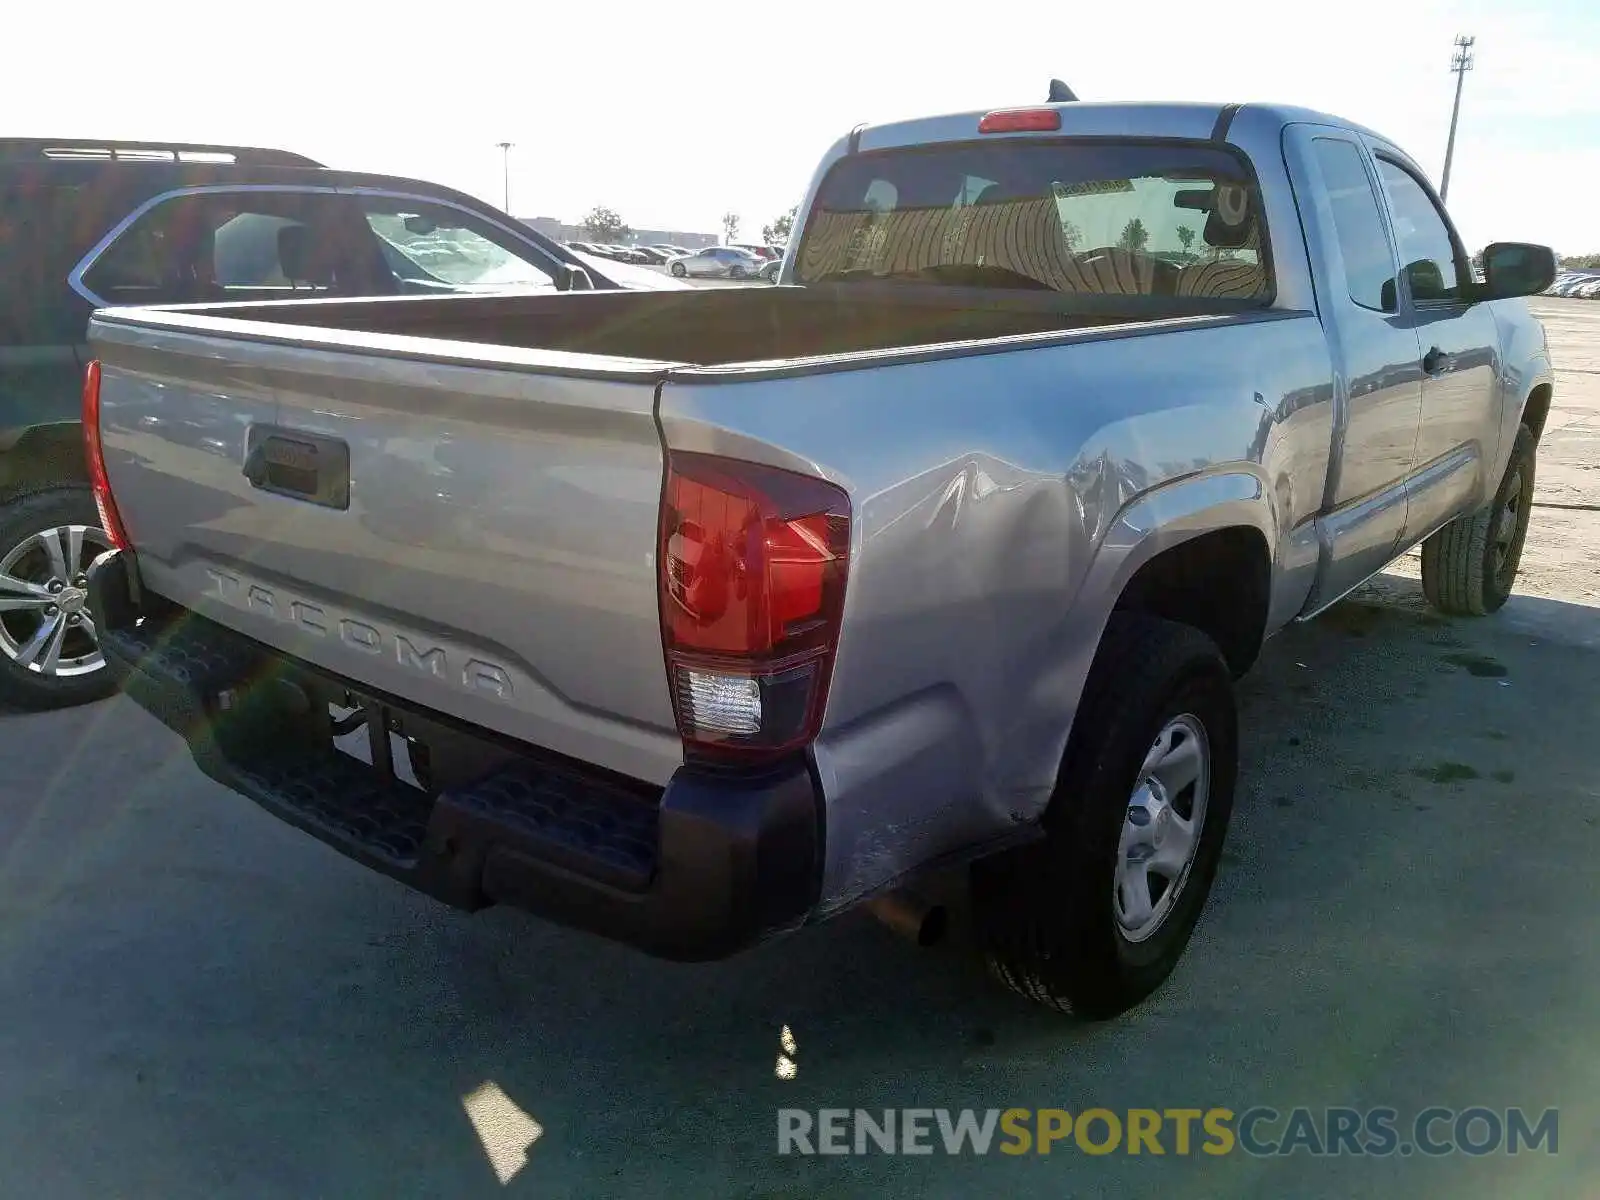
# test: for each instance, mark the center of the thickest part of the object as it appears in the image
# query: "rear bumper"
(698, 870)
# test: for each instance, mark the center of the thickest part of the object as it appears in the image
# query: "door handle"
(1436, 362)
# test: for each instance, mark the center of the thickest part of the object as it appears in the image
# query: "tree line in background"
(1588, 262)
(605, 226)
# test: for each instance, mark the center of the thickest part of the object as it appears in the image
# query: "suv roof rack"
(100, 150)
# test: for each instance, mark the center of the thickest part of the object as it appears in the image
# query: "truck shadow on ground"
(1389, 756)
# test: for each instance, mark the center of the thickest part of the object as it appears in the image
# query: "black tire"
(736, 272)
(1470, 566)
(679, 269)
(1046, 913)
(35, 687)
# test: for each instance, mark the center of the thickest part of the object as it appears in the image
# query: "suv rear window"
(1093, 217)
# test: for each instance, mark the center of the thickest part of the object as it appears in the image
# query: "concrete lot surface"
(199, 1001)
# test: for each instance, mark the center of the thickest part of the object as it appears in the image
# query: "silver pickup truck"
(691, 618)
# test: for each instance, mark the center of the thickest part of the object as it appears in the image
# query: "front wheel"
(736, 272)
(49, 648)
(1470, 566)
(1094, 917)
(679, 270)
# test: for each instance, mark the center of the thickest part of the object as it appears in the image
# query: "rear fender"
(1152, 523)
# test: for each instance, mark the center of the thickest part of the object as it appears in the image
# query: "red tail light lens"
(110, 519)
(753, 563)
(1021, 120)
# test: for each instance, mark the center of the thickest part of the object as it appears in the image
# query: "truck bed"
(479, 530)
(724, 326)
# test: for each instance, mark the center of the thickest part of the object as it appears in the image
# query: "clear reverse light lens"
(727, 704)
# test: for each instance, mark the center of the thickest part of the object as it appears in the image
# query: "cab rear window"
(1091, 217)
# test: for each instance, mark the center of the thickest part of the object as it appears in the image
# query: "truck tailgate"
(491, 553)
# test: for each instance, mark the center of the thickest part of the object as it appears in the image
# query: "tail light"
(95, 457)
(752, 572)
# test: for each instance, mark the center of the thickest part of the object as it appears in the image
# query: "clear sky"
(675, 113)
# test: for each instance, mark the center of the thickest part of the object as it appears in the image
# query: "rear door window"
(1358, 224)
(239, 245)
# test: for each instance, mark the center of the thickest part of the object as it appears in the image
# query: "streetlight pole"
(1460, 63)
(505, 157)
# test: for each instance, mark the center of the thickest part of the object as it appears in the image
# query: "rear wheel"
(49, 648)
(1093, 918)
(736, 272)
(1470, 566)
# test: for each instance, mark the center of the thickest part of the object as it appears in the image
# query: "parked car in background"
(728, 611)
(728, 262)
(762, 252)
(670, 250)
(89, 223)
(652, 255)
(770, 269)
(629, 275)
(1587, 290)
(1573, 283)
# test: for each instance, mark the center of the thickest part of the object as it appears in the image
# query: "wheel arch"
(1200, 552)
(1536, 408)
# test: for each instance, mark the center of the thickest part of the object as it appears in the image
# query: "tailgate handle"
(302, 466)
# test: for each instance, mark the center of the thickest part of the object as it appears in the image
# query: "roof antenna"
(1060, 92)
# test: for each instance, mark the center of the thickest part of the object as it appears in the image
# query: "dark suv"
(88, 224)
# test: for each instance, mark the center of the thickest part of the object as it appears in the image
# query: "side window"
(232, 246)
(1427, 251)
(1358, 224)
(436, 248)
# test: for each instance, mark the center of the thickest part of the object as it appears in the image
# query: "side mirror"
(421, 226)
(1516, 269)
(1426, 280)
(572, 279)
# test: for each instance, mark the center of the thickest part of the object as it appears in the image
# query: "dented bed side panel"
(999, 503)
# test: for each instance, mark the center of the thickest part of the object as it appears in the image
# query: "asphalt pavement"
(199, 1001)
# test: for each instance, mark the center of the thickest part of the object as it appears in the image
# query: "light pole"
(505, 159)
(1460, 63)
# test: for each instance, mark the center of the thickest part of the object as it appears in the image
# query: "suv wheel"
(49, 650)
(1094, 917)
